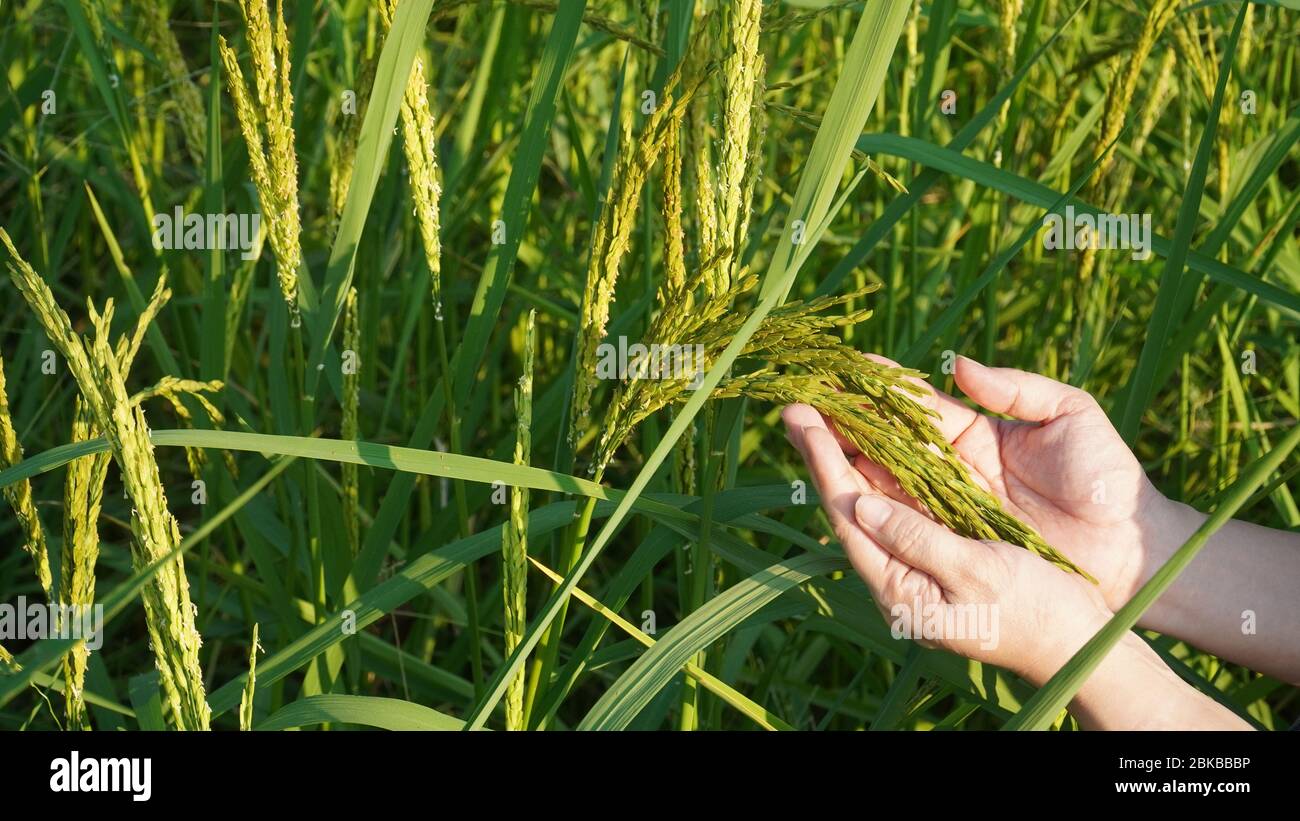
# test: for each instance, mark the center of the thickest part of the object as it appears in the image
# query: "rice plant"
(490, 436)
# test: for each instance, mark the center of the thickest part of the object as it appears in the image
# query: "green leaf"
(1141, 386)
(147, 701)
(370, 711)
(656, 667)
(855, 92)
(408, 460)
(391, 74)
(937, 158)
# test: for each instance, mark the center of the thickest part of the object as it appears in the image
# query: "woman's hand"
(1011, 608)
(1061, 467)
(935, 584)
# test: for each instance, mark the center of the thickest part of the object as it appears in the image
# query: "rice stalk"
(351, 405)
(797, 19)
(185, 92)
(1119, 96)
(157, 534)
(1009, 12)
(742, 72)
(169, 614)
(267, 120)
(19, 495)
(872, 404)
(514, 544)
(1153, 106)
(699, 145)
(172, 389)
(609, 244)
(612, 239)
(246, 700)
(674, 286)
(1201, 62)
(83, 494)
(91, 9)
(743, 69)
(345, 149)
(675, 290)
(1122, 86)
(421, 151)
(706, 224)
(8, 661)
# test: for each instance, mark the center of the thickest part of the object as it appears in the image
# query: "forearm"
(1237, 597)
(1132, 689)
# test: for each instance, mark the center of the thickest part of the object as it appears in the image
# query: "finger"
(797, 417)
(918, 541)
(838, 483)
(1028, 397)
(953, 416)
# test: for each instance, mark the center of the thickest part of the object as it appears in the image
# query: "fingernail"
(872, 511)
(795, 436)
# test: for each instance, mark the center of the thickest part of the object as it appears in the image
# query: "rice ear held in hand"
(874, 405)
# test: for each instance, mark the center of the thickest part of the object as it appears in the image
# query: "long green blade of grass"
(1141, 385)
(855, 92)
(656, 667)
(406, 460)
(376, 135)
(368, 711)
(941, 159)
(916, 189)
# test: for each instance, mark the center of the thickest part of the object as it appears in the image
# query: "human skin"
(1060, 466)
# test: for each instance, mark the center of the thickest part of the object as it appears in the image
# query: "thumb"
(1019, 394)
(916, 540)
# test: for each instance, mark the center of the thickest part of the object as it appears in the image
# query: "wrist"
(1129, 688)
(1171, 524)
(1133, 689)
(1167, 526)
(1061, 643)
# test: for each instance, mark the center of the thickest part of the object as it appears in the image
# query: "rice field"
(420, 364)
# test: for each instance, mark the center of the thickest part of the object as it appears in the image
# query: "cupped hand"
(989, 601)
(1058, 465)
